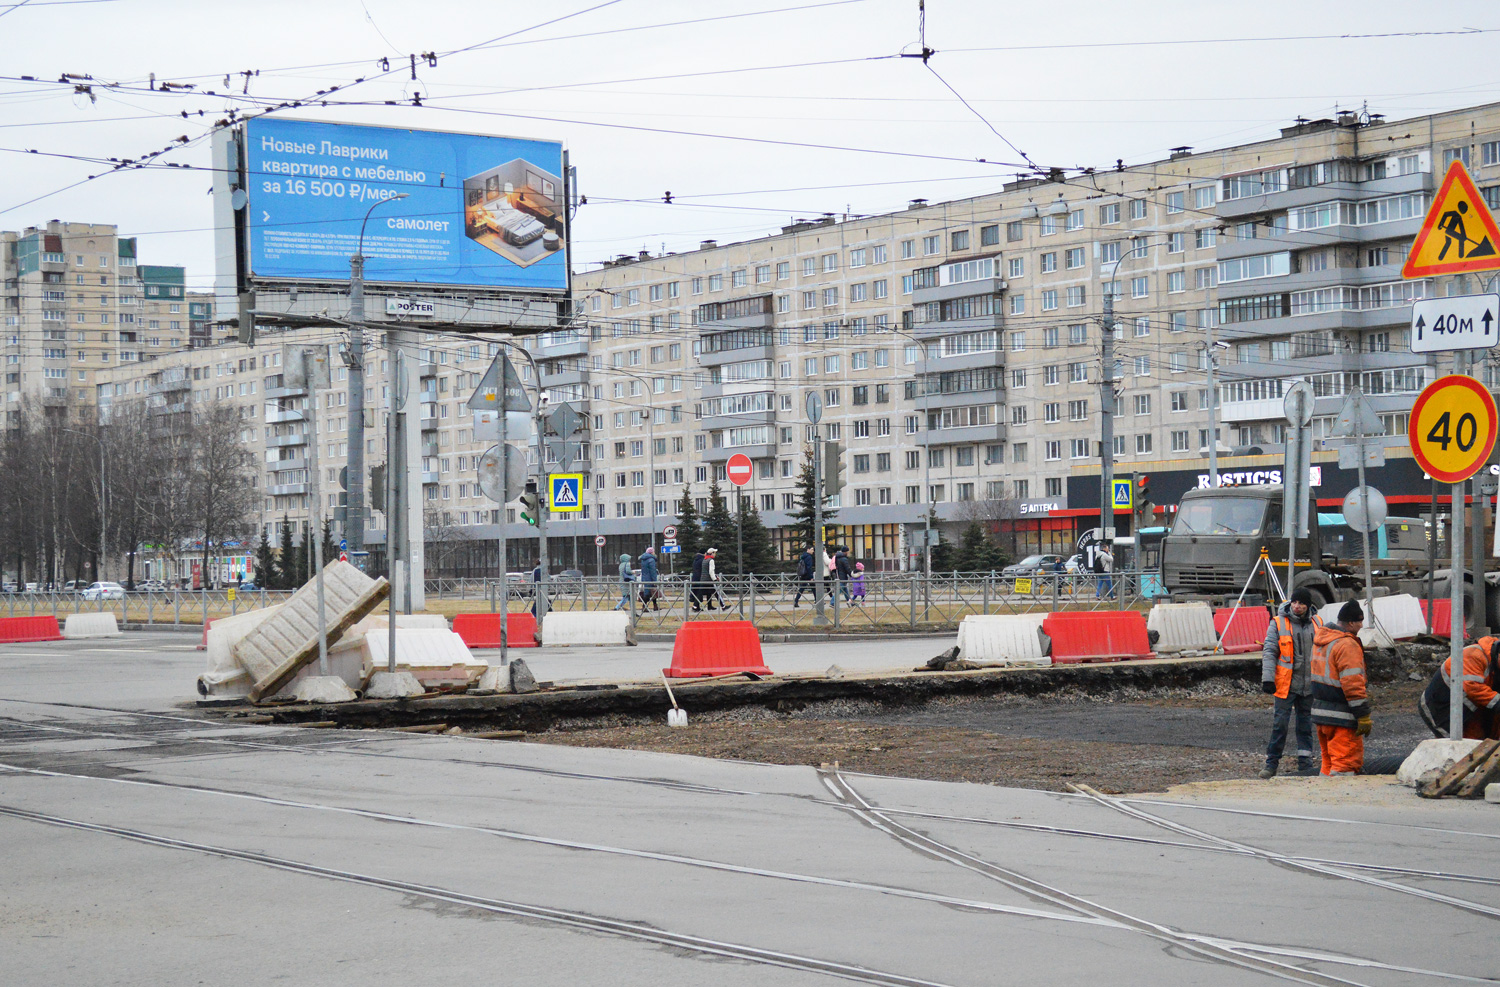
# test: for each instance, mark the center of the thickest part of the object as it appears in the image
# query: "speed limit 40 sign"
(1452, 428)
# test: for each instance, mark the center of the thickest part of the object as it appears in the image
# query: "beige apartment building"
(955, 347)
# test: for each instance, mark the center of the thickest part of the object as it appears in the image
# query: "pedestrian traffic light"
(833, 468)
(377, 487)
(529, 503)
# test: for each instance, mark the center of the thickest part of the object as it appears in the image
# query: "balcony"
(429, 424)
(946, 292)
(168, 385)
(739, 419)
(566, 378)
(765, 451)
(287, 489)
(282, 465)
(577, 345)
(966, 435)
(283, 441)
(282, 391)
(756, 312)
(275, 417)
(429, 478)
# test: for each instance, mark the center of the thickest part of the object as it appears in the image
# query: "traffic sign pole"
(1456, 595)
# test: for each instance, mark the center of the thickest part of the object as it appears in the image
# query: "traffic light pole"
(543, 505)
(502, 592)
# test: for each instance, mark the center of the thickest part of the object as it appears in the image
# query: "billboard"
(479, 211)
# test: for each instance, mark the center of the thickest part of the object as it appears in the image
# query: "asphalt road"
(148, 845)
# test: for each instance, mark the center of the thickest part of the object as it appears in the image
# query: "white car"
(104, 591)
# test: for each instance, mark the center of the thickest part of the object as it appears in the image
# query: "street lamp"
(103, 494)
(354, 524)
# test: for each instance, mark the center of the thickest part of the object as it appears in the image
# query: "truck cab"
(1217, 537)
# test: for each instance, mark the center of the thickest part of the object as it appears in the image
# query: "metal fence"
(890, 601)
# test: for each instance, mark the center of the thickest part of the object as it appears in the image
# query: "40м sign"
(477, 211)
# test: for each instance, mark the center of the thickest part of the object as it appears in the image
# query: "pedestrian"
(1341, 708)
(1481, 675)
(536, 590)
(858, 583)
(711, 579)
(695, 587)
(626, 578)
(1107, 560)
(1284, 663)
(805, 564)
(649, 593)
(843, 570)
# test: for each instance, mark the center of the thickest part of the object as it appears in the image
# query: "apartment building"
(955, 348)
(75, 303)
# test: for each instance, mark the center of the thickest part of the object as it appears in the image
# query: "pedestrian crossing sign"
(1122, 497)
(564, 491)
(1459, 234)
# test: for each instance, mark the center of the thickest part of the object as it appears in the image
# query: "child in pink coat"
(857, 584)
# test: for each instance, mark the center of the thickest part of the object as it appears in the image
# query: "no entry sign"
(739, 469)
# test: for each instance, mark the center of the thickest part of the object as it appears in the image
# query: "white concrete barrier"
(604, 628)
(226, 678)
(1182, 627)
(1010, 638)
(1395, 618)
(1432, 757)
(435, 657)
(83, 625)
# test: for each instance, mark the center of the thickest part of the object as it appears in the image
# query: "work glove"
(1269, 688)
(1363, 725)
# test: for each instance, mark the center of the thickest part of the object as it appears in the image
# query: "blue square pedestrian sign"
(1122, 495)
(564, 491)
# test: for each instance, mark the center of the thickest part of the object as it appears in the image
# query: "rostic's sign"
(1237, 478)
(478, 211)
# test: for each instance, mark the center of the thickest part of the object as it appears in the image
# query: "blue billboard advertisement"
(478, 212)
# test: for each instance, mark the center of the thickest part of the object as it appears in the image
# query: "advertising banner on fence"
(479, 211)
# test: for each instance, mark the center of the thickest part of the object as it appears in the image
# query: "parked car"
(1075, 564)
(248, 586)
(151, 586)
(1031, 565)
(104, 591)
(75, 585)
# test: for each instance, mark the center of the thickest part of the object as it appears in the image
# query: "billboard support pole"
(354, 509)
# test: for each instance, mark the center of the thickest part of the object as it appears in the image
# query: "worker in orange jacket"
(1481, 675)
(1284, 662)
(1341, 707)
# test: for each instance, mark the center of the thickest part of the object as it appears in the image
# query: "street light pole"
(354, 511)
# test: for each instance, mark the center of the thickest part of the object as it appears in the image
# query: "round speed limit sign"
(1452, 428)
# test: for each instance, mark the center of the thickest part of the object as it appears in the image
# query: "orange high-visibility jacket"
(1338, 676)
(1286, 653)
(1479, 676)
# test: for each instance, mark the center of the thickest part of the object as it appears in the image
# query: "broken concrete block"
(225, 677)
(1492, 792)
(435, 657)
(84, 625)
(323, 689)
(1432, 758)
(276, 649)
(835, 672)
(521, 679)
(393, 685)
(496, 679)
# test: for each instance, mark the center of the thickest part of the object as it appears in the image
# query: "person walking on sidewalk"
(626, 578)
(1341, 707)
(1481, 676)
(805, 563)
(1284, 663)
(649, 575)
(843, 570)
(711, 578)
(858, 583)
(695, 587)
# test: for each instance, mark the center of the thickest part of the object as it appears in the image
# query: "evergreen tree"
(286, 559)
(760, 551)
(719, 531)
(976, 553)
(330, 548)
(942, 551)
(689, 532)
(265, 563)
(802, 517)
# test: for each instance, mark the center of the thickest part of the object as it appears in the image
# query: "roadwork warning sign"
(1459, 234)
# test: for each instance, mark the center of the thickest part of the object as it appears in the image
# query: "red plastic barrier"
(1246, 634)
(1442, 616)
(1103, 635)
(25, 630)
(203, 644)
(716, 647)
(482, 630)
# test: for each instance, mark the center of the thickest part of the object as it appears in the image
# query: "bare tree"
(443, 540)
(219, 491)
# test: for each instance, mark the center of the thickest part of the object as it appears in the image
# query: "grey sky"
(633, 100)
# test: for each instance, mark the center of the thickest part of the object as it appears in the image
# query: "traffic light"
(377, 487)
(1143, 506)
(529, 504)
(833, 468)
(246, 321)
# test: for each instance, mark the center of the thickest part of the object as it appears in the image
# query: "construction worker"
(1284, 662)
(1341, 709)
(1481, 671)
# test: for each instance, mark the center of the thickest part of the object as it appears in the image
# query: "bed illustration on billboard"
(516, 210)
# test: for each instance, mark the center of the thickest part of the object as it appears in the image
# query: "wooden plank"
(282, 674)
(1448, 782)
(1486, 772)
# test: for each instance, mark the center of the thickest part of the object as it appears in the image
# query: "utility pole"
(395, 379)
(311, 383)
(1107, 411)
(354, 510)
(543, 504)
(819, 569)
(1213, 410)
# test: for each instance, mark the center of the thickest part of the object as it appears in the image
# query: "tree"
(760, 552)
(942, 551)
(219, 491)
(265, 564)
(444, 542)
(286, 562)
(803, 517)
(689, 533)
(976, 553)
(330, 548)
(719, 531)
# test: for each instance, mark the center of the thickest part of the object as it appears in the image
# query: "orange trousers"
(1343, 750)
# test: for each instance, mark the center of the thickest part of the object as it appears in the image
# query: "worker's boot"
(1269, 771)
(1307, 766)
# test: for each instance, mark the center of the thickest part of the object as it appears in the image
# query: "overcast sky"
(698, 107)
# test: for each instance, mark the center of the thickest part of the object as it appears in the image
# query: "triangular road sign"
(487, 395)
(1459, 234)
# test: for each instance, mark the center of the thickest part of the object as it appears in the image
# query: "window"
(1143, 366)
(1109, 214)
(1180, 440)
(1205, 277)
(882, 288)
(1109, 252)
(908, 249)
(1206, 239)
(1078, 373)
(1052, 412)
(1049, 262)
(1204, 197)
(1049, 303)
(830, 263)
(830, 297)
(989, 236)
(958, 240)
(931, 245)
(1078, 411)
(1255, 266)
(1176, 243)
(1073, 258)
(1078, 448)
(1174, 202)
(1018, 414)
(1076, 296)
(1014, 230)
(1139, 287)
(1017, 267)
(1017, 342)
(1017, 304)
(1453, 154)
(1142, 404)
(783, 270)
(1177, 362)
(1075, 219)
(1142, 444)
(1176, 281)
(716, 282)
(1053, 449)
(1142, 326)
